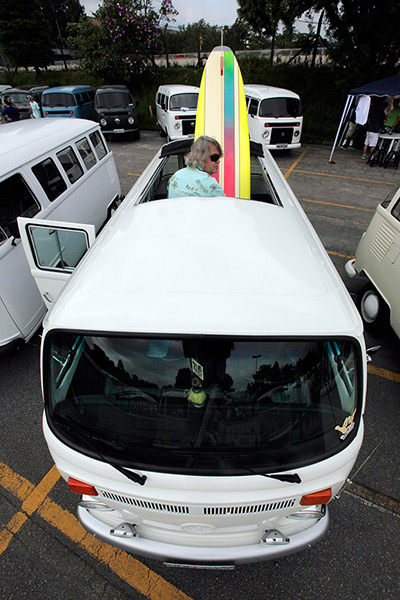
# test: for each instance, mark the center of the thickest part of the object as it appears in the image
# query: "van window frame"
(45, 188)
(77, 163)
(29, 212)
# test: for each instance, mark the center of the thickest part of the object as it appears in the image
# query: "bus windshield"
(181, 101)
(280, 107)
(202, 405)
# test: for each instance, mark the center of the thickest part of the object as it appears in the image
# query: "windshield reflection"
(203, 404)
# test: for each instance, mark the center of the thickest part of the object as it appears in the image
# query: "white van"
(275, 116)
(48, 168)
(378, 259)
(203, 370)
(176, 107)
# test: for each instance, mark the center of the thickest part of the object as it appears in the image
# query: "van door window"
(396, 210)
(16, 200)
(70, 163)
(98, 144)
(87, 154)
(49, 178)
(253, 106)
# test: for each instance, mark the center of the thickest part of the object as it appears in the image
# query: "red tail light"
(321, 497)
(78, 487)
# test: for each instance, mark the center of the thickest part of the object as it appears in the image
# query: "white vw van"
(203, 370)
(49, 168)
(176, 107)
(275, 116)
(378, 259)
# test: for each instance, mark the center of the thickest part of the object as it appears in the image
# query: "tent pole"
(344, 116)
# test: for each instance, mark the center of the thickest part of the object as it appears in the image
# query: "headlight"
(103, 122)
(265, 135)
(296, 133)
(131, 120)
(177, 125)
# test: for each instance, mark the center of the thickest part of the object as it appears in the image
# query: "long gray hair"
(200, 151)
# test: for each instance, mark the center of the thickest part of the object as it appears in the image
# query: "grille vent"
(111, 172)
(382, 241)
(248, 509)
(157, 506)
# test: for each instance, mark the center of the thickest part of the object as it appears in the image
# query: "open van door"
(53, 250)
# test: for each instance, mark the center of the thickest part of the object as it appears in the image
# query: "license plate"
(281, 146)
(119, 130)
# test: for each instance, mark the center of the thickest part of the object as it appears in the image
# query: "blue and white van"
(69, 101)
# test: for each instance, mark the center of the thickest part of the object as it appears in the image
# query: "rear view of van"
(69, 101)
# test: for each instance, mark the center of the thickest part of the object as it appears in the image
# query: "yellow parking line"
(134, 174)
(130, 570)
(340, 205)
(343, 177)
(339, 254)
(296, 162)
(384, 373)
(33, 499)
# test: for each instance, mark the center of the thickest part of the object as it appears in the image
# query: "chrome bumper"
(206, 556)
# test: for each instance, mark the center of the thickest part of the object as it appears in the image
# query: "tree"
(265, 16)
(25, 35)
(59, 14)
(366, 36)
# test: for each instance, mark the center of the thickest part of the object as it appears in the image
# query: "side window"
(396, 210)
(158, 98)
(253, 106)
(49, 178)
(86, 153)
(157, 189)
(98, 144)
(70, 164)
(16, 200)
(86, 97)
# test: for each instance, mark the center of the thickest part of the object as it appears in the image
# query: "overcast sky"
(222, 12)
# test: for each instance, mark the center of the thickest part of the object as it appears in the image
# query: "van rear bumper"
(204, 556)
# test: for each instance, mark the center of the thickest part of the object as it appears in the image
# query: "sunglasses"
(215, 157)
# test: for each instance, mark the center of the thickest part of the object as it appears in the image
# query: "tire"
(161, 131)
(373, 309)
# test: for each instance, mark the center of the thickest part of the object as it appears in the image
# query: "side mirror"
(371, 352)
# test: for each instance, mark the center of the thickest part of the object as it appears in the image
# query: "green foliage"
(366, 37)
(60, 13)
(25, 35)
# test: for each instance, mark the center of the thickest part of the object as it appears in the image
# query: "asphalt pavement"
(45, 554)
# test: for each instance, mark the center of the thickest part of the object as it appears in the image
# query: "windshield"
(202, 405)
(113, 100)
(19, 98)
(181, 101)
(58, 99)
(280, 107)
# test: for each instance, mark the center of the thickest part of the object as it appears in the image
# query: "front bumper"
(205, 556)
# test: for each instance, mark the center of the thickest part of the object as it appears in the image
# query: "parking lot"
(44, 552)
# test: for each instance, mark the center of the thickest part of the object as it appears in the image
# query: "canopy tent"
(383, 87)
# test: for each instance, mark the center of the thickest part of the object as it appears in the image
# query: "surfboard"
(222, 114)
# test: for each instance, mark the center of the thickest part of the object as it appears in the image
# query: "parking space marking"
(384, 373)
(35, 499)
(341, 176)
(340, 205)
(296, 162)
(134, 174)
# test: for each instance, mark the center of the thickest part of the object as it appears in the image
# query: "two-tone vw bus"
(49, 168)
(275, 116)
(203, 370)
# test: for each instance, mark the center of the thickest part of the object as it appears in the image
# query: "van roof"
(268, 91)
(175, 88)
(23, 141)
(69, 89)
(217, 266)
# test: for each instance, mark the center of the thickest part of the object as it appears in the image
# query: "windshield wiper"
(135, 477)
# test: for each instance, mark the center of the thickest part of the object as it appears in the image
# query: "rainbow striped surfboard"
(222, 114)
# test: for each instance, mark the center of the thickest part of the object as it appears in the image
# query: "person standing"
(375, 122)
(34, 108)
(10, 113)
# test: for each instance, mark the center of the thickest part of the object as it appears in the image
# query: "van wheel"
(373, 309)
(161, 131)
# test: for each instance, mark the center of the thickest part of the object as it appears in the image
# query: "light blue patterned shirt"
(192, 181)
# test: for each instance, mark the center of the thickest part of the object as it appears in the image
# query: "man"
(9, 113)
(195, 179)
(34, 108)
